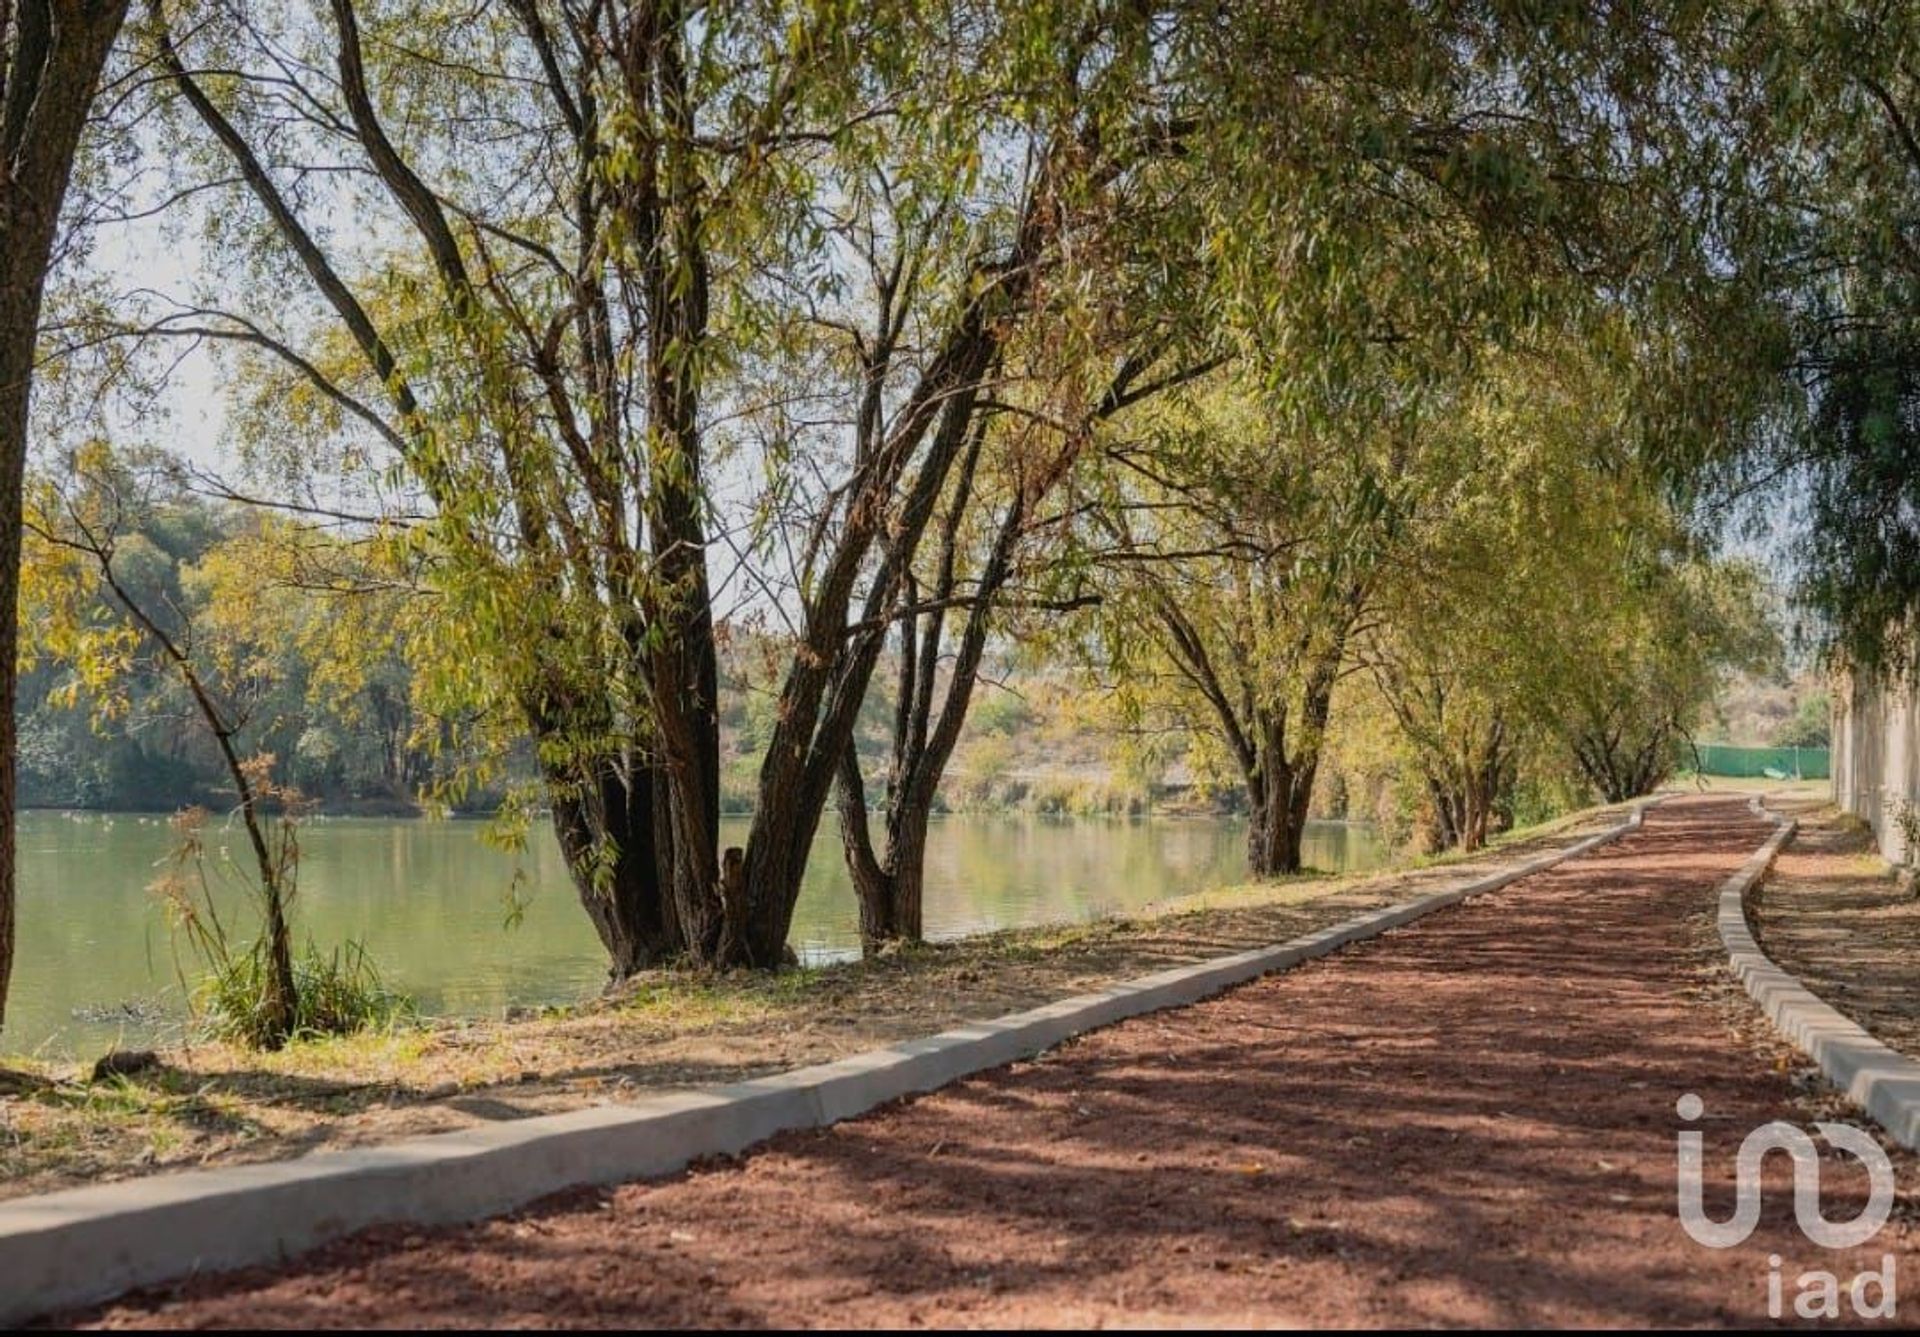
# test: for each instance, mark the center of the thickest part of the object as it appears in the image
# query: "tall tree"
(52, 53)
(1241, 557)
(786, 233)
(1359, 178)
(1807, 150)
(996, 559)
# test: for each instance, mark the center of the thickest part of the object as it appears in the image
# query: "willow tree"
(945, 606)
(627, 259)
(1453, 650)
(949, 321)
(1340, 182)
(1229, 596)
(51, 58)
(996, 565)
(1823, 116)
(1643, 629)
(1624, 623)
(1467, 641)
(1562, 621)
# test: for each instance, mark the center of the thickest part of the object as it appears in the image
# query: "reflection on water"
(95, 961)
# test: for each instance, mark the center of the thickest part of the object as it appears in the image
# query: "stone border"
(81, 1246)
(1882, 1081)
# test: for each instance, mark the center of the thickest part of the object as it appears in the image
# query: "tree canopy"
(1260, 354)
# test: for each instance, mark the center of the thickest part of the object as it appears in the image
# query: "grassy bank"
(209, 1103)
(1808, 790)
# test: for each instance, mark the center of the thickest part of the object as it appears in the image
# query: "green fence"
(1747, 763)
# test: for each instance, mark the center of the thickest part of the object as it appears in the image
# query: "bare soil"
(215, 1105)
(1832, 913)
(1470, 1120)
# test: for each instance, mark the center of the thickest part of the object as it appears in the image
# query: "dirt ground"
(1833, 914)
(1468, 1121)
(212, 1104)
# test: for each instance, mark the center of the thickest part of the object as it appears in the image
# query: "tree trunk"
(686, 853)
(51, 55)
(874, 891)
(890, 889)
(283, 994)
(892, 895)
(1478, 810)
(1445, 829)
(907, 875)
(610, 831)
(1618, 770)
(1462, 813)
(1467, 796)
(19, 318)
(1273, 841)
(1279, 786)
(782, 840)
(1276, 827)
(872, 888)
(1266, 831)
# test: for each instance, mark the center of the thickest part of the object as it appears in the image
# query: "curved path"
(1470, 1120)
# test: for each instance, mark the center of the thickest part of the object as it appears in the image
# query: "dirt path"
(212, 1104)
(1467, 1121)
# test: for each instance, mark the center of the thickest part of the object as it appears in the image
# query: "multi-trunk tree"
(629, 258)
(996, 565)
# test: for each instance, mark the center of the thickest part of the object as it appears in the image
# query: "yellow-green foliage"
(339, 993)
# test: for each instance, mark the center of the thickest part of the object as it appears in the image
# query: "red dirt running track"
(1470, 1120)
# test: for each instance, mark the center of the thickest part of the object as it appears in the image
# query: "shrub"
(340, 993)
(1072, 796)
(1002, 713)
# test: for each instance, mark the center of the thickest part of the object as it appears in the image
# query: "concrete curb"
(81, 1246)
(1883, 1082)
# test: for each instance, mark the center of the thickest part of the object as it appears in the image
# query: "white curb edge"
(81, 1246)
(1883, 1082)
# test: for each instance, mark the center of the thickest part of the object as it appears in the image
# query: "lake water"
(95, 962)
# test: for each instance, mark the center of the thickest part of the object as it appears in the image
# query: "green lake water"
(429, 900)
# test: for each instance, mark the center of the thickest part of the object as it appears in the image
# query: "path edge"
(86, 1245)
(1880, 1080)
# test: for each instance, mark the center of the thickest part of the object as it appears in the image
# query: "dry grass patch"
(1834, 914)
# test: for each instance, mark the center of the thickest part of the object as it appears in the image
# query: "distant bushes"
(1048, 795)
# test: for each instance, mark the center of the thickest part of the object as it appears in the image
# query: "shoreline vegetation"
(63, 1124)
(1047, 794)
(1074, 793)
(1069, 799)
